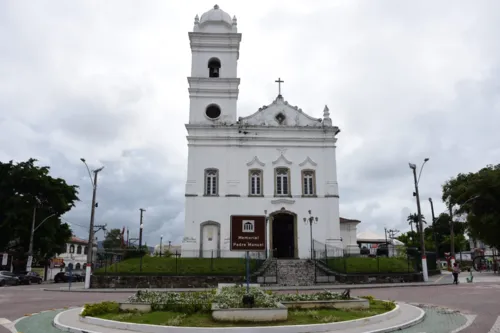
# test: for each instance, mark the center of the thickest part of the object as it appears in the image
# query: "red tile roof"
(75, 239)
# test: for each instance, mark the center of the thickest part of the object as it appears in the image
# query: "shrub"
(232, 297)
(97, 309)
(190, 302)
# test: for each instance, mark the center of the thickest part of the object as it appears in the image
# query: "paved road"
(481, 299)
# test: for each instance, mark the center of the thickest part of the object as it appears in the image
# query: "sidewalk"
(440, 280)
(407, 316)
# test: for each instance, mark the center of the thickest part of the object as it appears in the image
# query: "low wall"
(109, 281)
(379, 278)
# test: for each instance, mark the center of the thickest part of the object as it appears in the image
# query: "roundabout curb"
(101, 325)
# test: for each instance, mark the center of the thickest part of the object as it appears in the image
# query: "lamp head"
(265, 211)
(142, 225)
(82, 159)
(305, 220)
(100, 169)
(430, 200)
(316, 219)
(309, 212)
(412, 166)
(426, 159)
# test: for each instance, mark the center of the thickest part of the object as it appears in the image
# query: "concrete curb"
(337, 327)
(284, 288)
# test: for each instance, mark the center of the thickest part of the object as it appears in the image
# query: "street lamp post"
(311, 219)
(161, 244)
(141, 226)
(93, 180)
(452, 229)
(33, 229)
(267, 240)
(419, 212)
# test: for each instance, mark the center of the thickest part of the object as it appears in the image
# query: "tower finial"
(216, 7)
(196, 20)
(327, 121)
(235, 21)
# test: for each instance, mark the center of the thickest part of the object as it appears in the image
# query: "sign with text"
(248, 233)
(5, 258)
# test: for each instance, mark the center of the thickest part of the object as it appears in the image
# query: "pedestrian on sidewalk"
(456, 271)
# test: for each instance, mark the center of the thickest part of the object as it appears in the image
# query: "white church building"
(279, 161)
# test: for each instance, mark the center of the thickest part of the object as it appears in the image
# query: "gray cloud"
(108, 83)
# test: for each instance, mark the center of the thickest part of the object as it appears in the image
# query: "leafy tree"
(113, 240)
(24, 186)
(478, 195)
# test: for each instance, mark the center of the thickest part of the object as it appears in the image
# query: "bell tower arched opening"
(214, 67)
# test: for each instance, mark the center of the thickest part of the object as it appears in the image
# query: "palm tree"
(413, 219)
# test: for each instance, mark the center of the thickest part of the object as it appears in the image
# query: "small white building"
(278, 161)
(75, 256)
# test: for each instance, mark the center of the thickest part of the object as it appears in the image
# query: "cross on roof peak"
(279, 81)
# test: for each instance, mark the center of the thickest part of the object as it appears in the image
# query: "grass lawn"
(370, 265)
(295, 317)
(180, 266)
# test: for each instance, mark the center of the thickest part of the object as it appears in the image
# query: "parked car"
(29, 277)
(8, 278)
(66, 276)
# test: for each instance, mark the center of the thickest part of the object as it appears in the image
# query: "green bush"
(97, 309)
(189, 302)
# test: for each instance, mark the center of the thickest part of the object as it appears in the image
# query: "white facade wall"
(277, 135)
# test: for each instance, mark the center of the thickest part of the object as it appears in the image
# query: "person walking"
(456, 271)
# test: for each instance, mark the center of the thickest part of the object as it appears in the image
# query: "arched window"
(211, 182)
(70, 266)
(79, 249)
(282, 181)
(308, 183)
(78, 266)
(255, 182)
(84, 250)
(213, 67)
(71, 248)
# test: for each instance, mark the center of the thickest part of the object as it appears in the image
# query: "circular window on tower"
(213, 111)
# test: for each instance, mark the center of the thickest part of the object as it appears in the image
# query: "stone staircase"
(295, 272)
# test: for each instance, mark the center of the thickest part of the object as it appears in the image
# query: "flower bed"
(321, 300)
(228, 306)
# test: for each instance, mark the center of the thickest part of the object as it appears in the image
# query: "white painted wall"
(260, 141)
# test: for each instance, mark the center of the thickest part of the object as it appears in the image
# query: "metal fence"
(212, 262)
(396, 260)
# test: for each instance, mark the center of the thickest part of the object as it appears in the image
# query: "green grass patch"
(370, 265)
(180, 266)
(295, 317)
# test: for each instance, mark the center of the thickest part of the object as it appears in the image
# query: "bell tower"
(213, 84)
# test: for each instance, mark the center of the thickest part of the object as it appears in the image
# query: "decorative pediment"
(282, 159)
(308, 160)
(256, 160)
(280, 113)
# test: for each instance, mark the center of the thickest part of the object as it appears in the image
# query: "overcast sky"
(106, 80)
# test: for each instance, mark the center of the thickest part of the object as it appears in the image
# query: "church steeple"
(213, 84)
(327, 121)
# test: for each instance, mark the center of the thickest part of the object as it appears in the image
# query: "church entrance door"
(283, 235)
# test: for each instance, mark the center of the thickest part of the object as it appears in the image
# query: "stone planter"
(140, 307)
(250, 314)
(356, 303)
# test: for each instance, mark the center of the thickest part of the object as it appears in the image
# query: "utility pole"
(142, 210)
(419, 212)
(128, 232)
(88, 267)
(434, 230)
(452, 236)
(30, 250)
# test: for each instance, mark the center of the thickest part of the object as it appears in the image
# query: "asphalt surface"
(480, 298)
